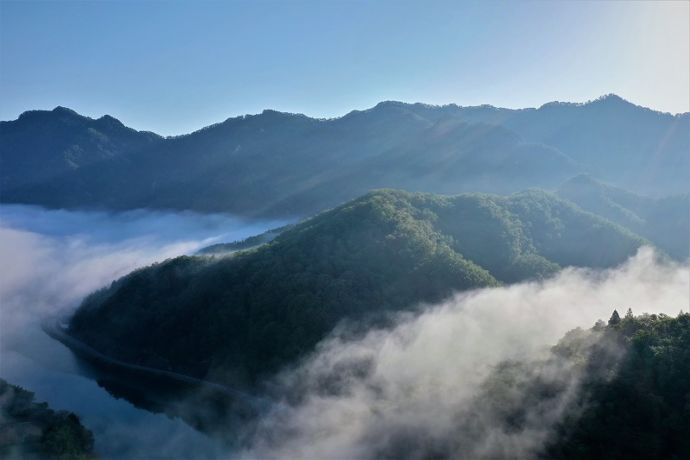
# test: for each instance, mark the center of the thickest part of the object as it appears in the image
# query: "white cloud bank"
(358, 398)
(352, 398)
(51, 259)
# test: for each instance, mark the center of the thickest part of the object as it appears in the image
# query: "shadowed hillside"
(282, 164)
(664, 221)
(41, 145)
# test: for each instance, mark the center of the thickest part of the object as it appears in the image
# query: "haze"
(172, 67)
(345, 229)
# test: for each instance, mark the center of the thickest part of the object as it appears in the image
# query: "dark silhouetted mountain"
(627, 145)
(41, 145)
(285, 164)
(664, 221)
(282, 164)
(630, 146)
(240, 317)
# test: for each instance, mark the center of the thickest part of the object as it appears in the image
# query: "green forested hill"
(642, 408)
(664, 221)
(236, 318)
(617, 391)
(613, 392)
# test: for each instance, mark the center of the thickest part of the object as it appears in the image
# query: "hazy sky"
(172, 67)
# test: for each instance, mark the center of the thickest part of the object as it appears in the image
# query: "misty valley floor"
(329, 398)
(58, 257)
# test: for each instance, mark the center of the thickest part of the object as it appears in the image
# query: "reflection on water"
(121, 429)
(51, 259)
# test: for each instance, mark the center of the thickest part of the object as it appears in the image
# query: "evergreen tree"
(615, 318)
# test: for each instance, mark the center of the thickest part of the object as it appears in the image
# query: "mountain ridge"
(603, 98)
(277, 163)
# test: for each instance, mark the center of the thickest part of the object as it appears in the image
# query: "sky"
(173, 67)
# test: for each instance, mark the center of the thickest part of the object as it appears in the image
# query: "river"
(51, 259)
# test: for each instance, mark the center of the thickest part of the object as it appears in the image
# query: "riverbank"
(56, 328)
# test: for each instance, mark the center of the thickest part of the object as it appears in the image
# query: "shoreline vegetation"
(31, 430)
(53, 327)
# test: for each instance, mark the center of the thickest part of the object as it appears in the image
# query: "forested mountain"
(41, 145)
(235, 319)
(616, 141)
(641, 408)
(286, 164)
(32, 430)
(664, 221)
(614, 392)
(282, 164)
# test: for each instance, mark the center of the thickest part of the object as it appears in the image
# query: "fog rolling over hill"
(474, 379)
(420, 375)
(281, 164)
(51, 260)
(241, 318)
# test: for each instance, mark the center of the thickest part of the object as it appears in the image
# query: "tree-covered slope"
(247, 243)
(237, 318)
(664, 221)
(614, 392)
(641, 408)
(42, 145)
(32, 430)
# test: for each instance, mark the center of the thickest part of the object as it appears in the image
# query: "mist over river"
(351, 397)
(51, 259)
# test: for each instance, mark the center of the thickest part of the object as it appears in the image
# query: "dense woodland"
(617, 391)
(640, 408)
(32, 430)
(237, 318)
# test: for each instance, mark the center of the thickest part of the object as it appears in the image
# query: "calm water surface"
(51, 259)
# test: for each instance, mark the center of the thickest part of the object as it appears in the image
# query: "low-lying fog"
(53, 258)
(415, 379)
(407, 390)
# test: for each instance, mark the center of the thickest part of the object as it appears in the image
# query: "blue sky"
(172, 67)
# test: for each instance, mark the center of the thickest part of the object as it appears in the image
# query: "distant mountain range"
(41, 146)
(239, 318)
(281, 164)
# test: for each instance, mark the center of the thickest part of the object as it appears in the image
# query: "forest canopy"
(235, 319)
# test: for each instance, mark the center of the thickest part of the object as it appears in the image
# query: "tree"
(615, 318)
